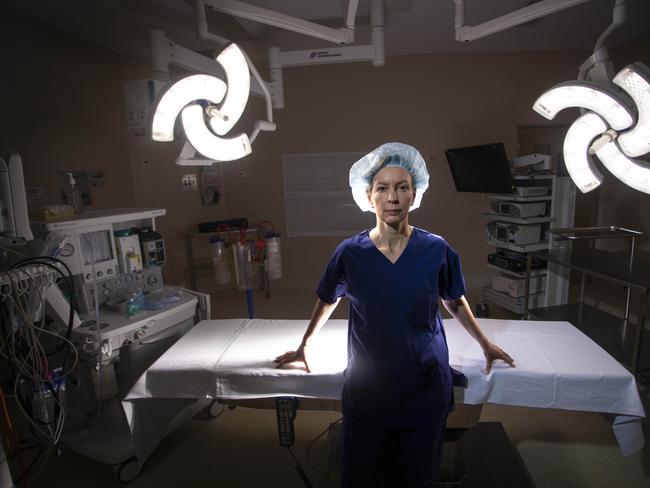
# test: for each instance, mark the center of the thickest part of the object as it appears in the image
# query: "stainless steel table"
(624, 269)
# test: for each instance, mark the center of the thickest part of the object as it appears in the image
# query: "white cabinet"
(519, 223)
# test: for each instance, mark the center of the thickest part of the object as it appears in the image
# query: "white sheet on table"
(187, 369)
(557, 367)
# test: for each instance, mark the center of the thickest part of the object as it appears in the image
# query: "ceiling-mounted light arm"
(343, 35)
(351, 14)
(259, 85)
(619, 15)
(159, 55)
(377, 22)
(373, 52)
(598, 58)
(189, 157)
(266, 125)
(467, 33)
(202, 26)
(165, 52)
(598, 67)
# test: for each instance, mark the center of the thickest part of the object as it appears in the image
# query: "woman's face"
(391, 194)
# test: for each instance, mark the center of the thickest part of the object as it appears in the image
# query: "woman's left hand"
(493, 352)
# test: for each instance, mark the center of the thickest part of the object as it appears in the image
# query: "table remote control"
(285, 408)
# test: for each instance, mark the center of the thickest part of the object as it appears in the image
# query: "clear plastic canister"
(243, 265)
(273, 257)
(220, 265)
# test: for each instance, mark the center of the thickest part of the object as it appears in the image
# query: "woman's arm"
(319, 316)
(461, 311)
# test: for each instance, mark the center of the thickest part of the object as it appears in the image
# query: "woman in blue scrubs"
(398, 384)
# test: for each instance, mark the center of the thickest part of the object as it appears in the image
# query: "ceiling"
(411, 27)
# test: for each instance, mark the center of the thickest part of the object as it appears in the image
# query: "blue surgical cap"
(390, 154)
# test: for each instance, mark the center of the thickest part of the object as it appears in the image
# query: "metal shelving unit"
(518, 220)
(559, 208)
(515, 198)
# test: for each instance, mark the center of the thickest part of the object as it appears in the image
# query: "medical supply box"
(515, 286)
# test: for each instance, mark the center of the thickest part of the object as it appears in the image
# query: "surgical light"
(576, 146)
(586, 95)
(633, 173)
(635, 80)
(208, 144)
(622, 137)
(238, 77)
(209, 108)
(180, 94)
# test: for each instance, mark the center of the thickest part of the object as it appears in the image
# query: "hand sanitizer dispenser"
(73, 195)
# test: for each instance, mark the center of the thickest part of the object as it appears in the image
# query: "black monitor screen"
(480, 168)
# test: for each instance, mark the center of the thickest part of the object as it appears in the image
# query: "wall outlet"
(189, 182)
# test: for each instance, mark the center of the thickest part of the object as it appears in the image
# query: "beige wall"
(433, 102)
(63, 108)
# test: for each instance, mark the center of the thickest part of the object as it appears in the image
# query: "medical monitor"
(481, 168)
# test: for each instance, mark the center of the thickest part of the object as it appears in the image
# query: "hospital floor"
(240, 447)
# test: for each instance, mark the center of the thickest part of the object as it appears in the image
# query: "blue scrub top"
(398, 362)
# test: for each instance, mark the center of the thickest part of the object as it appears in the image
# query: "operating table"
(232, 360)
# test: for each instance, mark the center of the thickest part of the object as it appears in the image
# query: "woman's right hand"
(288, 359)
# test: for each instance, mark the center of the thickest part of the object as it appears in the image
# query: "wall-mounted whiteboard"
(317, 196)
